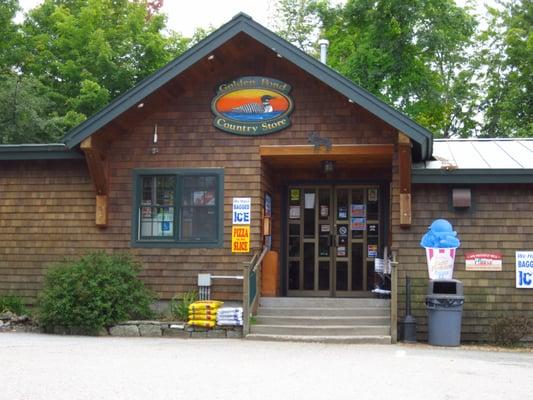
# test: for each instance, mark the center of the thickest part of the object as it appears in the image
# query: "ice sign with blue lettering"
(524, 269)
(242, 210)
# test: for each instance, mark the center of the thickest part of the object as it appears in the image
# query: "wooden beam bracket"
(404, 158)
(96, 157)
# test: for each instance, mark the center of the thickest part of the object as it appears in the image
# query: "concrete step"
(324, 330)
(325, 311)
(348, 339)
(322, 302)
(321, 320)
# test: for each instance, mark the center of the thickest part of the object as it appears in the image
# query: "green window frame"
(178, 208)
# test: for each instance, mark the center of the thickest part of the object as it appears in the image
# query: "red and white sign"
(440, 262)
(488, 261)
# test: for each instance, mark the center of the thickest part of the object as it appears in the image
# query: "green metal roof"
(53, 151)
(421, 137)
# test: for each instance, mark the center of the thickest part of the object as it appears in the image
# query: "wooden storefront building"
(156, 173)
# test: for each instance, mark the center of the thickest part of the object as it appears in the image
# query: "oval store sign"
(252, 106)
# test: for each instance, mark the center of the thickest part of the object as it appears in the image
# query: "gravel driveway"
(35, 366)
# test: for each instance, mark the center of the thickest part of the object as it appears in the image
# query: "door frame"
(384, 198)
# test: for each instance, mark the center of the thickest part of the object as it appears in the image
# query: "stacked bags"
(203, 313)
(229, 316)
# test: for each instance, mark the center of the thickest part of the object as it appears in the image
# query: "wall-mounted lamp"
(211, 57)
(140, 105)
(155, 149)
(328, 166)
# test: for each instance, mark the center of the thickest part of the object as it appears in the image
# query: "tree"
(27, 112)
(413, 54)
(90, 51)
(297, 21)
(9, 45)
(508, 59)
(73, 57)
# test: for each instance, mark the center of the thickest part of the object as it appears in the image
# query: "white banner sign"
(524, 269)
(242, 210)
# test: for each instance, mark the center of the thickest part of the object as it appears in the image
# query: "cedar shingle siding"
(60, 195)
(501, 218)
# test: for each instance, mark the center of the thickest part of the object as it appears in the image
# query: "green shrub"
(95, 291)
(179, 306)
(13, 303)
(509, 330)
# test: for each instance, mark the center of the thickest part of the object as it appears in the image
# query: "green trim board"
(174, 241)
(422, 138)
(53, 151)
(473, 176)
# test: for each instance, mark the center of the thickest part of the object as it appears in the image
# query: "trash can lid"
(438, 296)
(445, 286)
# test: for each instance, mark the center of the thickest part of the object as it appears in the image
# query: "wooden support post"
(101, 210)
(95, 155)
(404, 157)
(394, 299)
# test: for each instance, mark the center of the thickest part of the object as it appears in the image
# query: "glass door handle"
(333, 240)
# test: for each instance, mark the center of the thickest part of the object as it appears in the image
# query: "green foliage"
(28, 113)
(179, 306)
(92, 292)
(297, 22)
(412, 54)
(9, 33)
(12, 303)
(509, 330)
(508, 60)
(74, 57)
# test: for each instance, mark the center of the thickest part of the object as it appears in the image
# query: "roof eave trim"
(472, 176)
(40, 155)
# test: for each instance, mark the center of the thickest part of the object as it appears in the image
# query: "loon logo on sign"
(252, 106)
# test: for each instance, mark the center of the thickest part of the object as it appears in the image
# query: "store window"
(178, 208)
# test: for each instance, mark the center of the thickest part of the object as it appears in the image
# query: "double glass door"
(333, 236)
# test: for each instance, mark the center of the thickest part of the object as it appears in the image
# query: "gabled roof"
(464, 161)
(421, 137)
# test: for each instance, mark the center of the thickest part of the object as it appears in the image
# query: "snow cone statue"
(440, 243)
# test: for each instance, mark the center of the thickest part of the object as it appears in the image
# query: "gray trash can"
(444, 305)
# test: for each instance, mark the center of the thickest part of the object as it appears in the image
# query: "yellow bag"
(201, 323)
(203, 305)
(203, 312)
(203, 316)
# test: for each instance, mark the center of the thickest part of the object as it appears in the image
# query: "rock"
(199, 335)
(150, 330)
(124, 330)
(172, 332)
(234, 333)
(7, 316)
(21, 318)
(216, 334)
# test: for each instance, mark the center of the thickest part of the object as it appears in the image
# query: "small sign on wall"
(486, 261)
(241, 210)
(240, 231)
(524, 269)
(240, 239)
